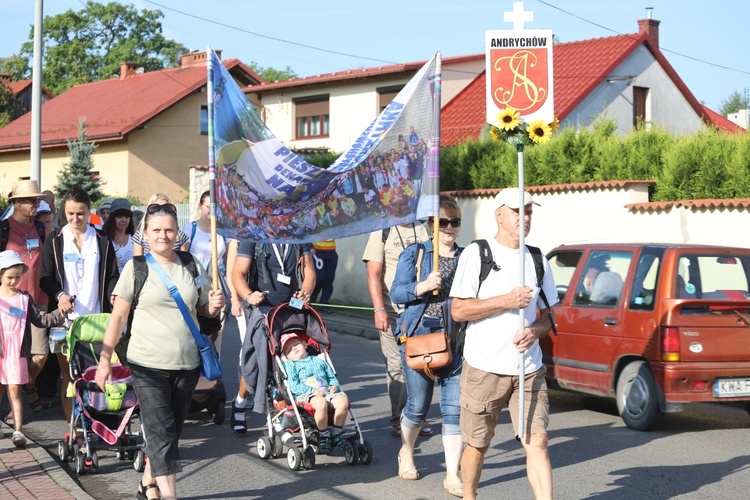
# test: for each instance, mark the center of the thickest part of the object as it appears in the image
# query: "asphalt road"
(701, 453)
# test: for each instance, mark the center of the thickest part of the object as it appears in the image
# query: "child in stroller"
(292, 419)
(312, 381)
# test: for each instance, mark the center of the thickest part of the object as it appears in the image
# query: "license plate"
(731, 387)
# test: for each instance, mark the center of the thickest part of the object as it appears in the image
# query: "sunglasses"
(30, 201)
(455, 222)
(156, 208)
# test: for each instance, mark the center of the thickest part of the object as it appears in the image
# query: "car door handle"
(610, 321)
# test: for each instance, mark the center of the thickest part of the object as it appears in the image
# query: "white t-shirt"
(489, 341)
(200, 246)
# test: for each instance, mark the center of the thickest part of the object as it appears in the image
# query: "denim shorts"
(164, 398)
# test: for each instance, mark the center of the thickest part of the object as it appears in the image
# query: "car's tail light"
(700, 385)
(670, 344)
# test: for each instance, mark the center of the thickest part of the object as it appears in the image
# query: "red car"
(654, 326)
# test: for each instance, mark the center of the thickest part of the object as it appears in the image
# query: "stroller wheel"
(93, 464)
(294, 458)
(278, 447)
(121, 455)
(264, 448)
(62, 451)
(308, 458)
(219, 412)
(365, 453)
(78, 463)
(139, 462)
(351, 455)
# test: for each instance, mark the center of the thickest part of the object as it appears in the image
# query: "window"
(641, 114)
(386, 95)
(204, 120)
(645, 279)
(563, 265)
(312, 117)
(602, 282)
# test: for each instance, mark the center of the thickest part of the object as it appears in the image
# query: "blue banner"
(267, 193)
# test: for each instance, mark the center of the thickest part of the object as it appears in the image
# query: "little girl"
(17, 313)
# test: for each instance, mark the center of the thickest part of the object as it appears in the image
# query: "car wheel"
(637, 397)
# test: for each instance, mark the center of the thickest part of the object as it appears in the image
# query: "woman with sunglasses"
(140, 243)
(162, 355)
(77, 261)
(424, 314)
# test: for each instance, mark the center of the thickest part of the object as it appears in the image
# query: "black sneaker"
(324, 446)
(341, 442)
(237, 419)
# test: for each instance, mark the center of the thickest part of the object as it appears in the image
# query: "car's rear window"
(713, 277)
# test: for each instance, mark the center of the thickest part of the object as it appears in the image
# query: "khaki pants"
(393, 370)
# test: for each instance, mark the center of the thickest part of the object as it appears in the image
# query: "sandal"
(19, 440)
(237, 419)
(9, 419)
(143, 491)
(407, 474)
(426, 430)
(34, 402)
(455, 489)
(396, 430)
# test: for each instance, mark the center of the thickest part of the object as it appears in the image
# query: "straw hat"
(25, 189)
(9, 258)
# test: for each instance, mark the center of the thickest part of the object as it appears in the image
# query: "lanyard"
(279, 257)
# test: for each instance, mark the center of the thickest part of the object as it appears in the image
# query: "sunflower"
(495, 133)
(555, 123)
(508, 119)
(539, 131)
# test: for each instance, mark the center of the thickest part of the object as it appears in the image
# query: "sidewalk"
(31, 473)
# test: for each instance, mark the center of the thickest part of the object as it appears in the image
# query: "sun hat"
(44, 208)
(509, 197)
(287, 337)
(9, 258)
(120, 204)
(25, 188)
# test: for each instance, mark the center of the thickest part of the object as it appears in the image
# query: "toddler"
(312, 381)
(17, 313)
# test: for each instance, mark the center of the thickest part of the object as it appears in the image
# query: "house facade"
(148, 126)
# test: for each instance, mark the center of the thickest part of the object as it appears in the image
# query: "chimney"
(127, 69)
(196, 59)
(4, 78)
(650, 26)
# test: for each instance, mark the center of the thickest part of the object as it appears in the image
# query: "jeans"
(419, 389)
(163, 397)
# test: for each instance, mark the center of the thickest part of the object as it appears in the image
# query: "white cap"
(9, 258)
(509, 197)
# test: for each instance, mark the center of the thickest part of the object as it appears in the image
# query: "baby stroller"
(101, 420)
(292, 424)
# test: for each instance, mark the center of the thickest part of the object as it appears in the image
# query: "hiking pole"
(522, 278)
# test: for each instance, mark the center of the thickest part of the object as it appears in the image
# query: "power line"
(662, 49)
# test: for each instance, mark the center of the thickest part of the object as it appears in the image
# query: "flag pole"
(522, 278)
(436, 106)
(212, 170)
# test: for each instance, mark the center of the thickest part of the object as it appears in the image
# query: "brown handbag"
(428, 353)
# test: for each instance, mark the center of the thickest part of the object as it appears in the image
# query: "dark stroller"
(102, 420)
(292, 424)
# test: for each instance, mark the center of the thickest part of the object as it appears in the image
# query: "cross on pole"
(518, 16)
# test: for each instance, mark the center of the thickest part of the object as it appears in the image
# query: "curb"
(58, 475)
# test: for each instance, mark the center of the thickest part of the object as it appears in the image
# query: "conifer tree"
(78, 172)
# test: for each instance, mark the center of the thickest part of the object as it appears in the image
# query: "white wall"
(570, 216)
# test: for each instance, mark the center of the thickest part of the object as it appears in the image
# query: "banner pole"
(212, 169)
(436, 103)
(522, 277)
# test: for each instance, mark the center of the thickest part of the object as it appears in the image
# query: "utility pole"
(36, 96)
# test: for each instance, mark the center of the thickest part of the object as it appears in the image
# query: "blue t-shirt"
(268, 269)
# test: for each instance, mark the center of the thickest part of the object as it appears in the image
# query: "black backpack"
(5, 233)
(260, 265)
(488, 265)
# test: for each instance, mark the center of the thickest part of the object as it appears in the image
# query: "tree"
(79, 171)
(15, 66)
(733, 103)
(10, 106)
(89, 45)
(270, 74)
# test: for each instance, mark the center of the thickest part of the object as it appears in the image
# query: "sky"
(706, 42)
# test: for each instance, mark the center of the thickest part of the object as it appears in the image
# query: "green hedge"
(706, 164)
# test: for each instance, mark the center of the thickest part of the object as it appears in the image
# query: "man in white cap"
(492, 348)
(25, 235)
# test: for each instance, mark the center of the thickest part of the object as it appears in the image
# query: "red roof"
(721, 122)
(662, 206)
(554, 188)
(579, 68)
(18, 87)
(113, 108)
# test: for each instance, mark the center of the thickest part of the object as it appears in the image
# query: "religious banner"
(519, 69)
(267, 193)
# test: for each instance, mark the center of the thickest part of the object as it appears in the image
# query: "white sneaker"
(19, 439)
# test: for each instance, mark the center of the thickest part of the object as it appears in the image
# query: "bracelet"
(379, 309)
(247, 297)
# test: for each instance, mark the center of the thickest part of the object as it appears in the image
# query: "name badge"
(283, 278)
(32, 243)
(70, 257)
(16, 312)
(200, 281)
(296, 303)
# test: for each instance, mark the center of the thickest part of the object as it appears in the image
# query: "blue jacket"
(404, 288)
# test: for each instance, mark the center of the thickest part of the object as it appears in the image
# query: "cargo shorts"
(484, 395)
